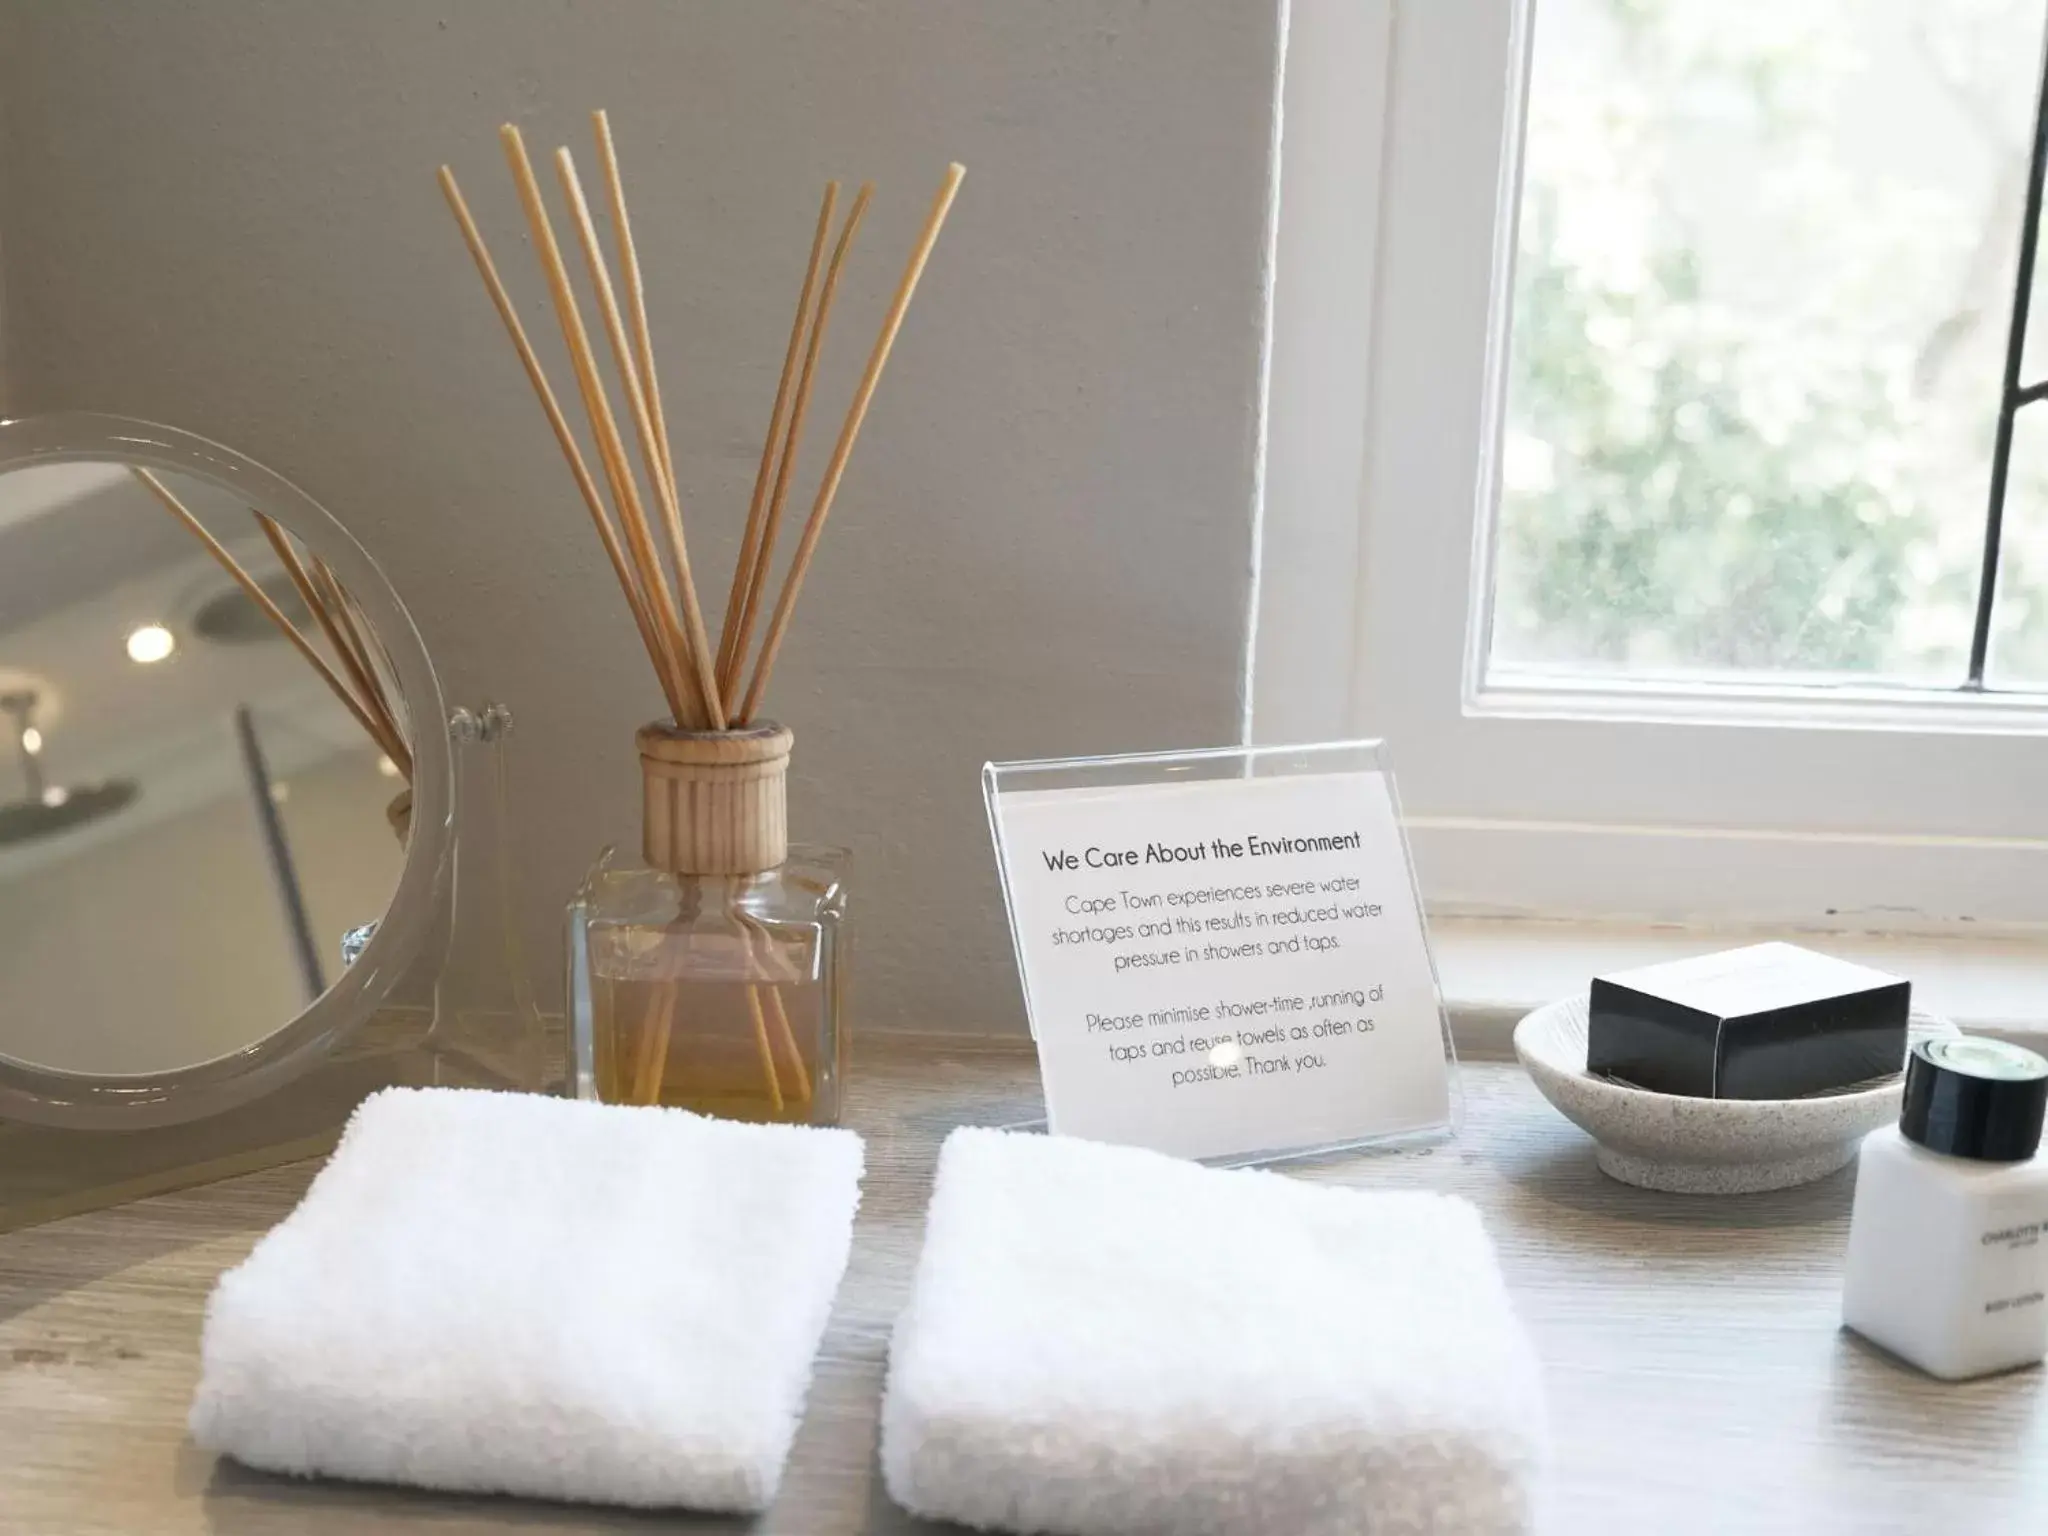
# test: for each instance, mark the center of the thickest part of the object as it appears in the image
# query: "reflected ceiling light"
(151, 643)
(31, 740)
(387, 767)
(55, 795)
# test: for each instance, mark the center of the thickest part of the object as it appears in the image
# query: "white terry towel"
(1105, 1340)
(497, 1292)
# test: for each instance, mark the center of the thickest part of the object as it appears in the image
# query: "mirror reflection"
(196, 805)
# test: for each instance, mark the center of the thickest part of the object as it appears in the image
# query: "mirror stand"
(459, 1035)
(50, 1172)
(477, 1039)
(229, 784)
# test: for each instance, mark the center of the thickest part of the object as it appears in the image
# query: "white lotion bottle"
(1948, 1240)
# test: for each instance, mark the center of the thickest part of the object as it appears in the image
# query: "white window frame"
(1744, 805)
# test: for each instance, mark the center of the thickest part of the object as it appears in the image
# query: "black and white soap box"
(1767, 1021)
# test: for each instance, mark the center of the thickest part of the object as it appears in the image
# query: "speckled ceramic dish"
(1702, 1146)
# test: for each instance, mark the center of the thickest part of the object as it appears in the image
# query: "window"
(1686, 340)
(1760, 304)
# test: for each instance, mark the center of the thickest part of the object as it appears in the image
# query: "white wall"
(223, 216)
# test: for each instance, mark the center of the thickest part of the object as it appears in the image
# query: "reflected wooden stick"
(344, 609)
(651, 1055)
(657, 1030)
(787, 1035)
(768, 1050)
(368, 689)
(369, 650)
(771, 1025)
(393, 748)
(778, 1015)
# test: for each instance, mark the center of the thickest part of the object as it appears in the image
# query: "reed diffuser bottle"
(713, 978)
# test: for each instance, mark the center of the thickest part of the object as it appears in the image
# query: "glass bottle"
(714, 978)
(1948, 1238)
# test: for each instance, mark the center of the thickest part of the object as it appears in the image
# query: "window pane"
(1763, 287)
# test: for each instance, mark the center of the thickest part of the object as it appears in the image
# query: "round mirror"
(224, 777)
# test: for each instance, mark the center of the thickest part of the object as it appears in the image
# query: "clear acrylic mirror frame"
(42, 1096)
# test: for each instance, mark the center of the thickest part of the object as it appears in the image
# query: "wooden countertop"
(1697, 1376)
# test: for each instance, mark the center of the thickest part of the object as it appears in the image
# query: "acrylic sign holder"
(1356, 775)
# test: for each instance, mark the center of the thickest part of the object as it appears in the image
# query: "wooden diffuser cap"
(716, 802)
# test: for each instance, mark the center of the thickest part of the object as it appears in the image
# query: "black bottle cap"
(1972, 1096)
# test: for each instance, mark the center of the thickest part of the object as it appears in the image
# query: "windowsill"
(1495, 970)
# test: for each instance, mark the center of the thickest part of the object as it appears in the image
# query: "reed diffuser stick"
(722, 823)
(778, 1016)
(757, 505)
(760, 1019)
(761, 958)
(757, 578)
(653, 453)
(778, 627)
(565, 438)
(604, 427)
(650, 1062)
(634, 375)
(393, 748)
(636, 292)
(657, 1030)
(767, 1051)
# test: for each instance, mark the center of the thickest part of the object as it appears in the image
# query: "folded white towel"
(1104, 1340)
(496, 1292)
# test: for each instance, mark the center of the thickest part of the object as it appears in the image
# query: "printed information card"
(1223, 967)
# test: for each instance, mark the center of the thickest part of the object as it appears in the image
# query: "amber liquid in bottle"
(718, 994)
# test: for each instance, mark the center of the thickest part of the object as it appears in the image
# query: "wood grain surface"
(1698, 1379)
